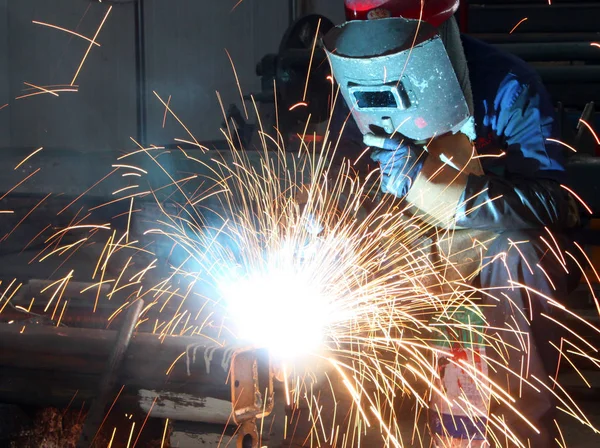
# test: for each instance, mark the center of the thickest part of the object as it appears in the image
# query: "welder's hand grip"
(400, 162)
(439, 187)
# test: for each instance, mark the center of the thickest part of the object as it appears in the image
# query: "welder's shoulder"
(490, 67)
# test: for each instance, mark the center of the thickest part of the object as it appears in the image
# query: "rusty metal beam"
(187, 378)
(106, 388)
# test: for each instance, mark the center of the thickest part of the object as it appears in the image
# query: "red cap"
(434, 12)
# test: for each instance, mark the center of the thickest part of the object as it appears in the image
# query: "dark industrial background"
(184, 45)
(179, 49)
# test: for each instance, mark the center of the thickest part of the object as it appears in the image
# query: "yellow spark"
(26, 216)
(28, 157)
(587, 125)
(90, 46)
(131, 167)
(561, 143)
(520, 22)
(173, 364)
(576, 196)
(130, 435)
(312, 55)
(166, 110)
(178, 120)
(300, 104)
(125, 189)
(145, 420)
(237, 83)
(62, 312)
(162, 443)
(51, 92)
(20, 183)
(86, 191)
(66, 31)
(112, 437)
(44, 92)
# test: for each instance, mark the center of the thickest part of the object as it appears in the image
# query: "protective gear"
(533, 265)
(520, 190)
(515, 126)
(400, 162)
(494, 203)
(450, 35)
(396, 76)
(431, 11)
(513, 111)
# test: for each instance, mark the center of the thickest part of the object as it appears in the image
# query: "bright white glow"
(282, 310)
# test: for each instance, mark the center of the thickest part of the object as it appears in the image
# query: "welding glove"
(400, 162)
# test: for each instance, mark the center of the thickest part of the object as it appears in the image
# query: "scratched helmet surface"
(396, 77)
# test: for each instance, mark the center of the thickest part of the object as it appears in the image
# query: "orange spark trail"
(587, 125)
(520, 22)
(66, 31)
(237, 82)
(25, 217)
(44, 92)
(561, 143)
(177, 118)
(19, 184)
(87, 191)
(28, 157)
(90, 46)
(162, 443)
(300, 104)
(41, 88)
(312, 54)
(145, 420)
(166, 110)
(236, 5)
(130, 435)
(576, 196)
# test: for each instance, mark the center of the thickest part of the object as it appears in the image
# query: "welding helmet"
(435, 12)
(396, 77)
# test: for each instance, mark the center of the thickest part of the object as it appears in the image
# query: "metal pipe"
(188, 378)
(108, 380)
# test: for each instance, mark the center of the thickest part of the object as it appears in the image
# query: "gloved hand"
(400, 162)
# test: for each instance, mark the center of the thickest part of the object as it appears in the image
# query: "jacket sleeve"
(528, 193)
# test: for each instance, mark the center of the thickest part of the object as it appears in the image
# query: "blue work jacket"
(515, 128)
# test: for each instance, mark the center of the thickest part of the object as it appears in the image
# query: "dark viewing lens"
(375, 99)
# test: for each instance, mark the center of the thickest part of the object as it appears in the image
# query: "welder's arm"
(529, 194)
(494, 203)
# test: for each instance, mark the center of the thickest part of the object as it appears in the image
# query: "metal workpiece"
(106, 388)
(181, 378)
(396, 76)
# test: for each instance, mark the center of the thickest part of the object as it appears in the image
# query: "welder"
(506, 113)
